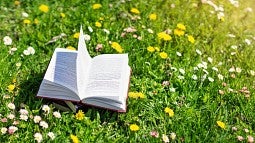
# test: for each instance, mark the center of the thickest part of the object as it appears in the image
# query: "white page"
(106, 76)
(83, 64)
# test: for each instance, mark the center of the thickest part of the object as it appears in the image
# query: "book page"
(66, 70)
(83, 63)
(106, 76)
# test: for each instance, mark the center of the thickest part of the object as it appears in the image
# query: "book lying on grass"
(101, 81)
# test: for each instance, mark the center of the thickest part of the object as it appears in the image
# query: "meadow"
(192, 67)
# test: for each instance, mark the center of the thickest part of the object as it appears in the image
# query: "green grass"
(197, 104)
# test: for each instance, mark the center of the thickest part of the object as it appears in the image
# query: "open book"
(101, 81)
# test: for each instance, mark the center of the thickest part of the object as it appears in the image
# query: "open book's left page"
(60, 80)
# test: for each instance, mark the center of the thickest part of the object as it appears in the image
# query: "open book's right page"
(108, 78)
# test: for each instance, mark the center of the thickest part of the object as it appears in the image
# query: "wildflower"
(172, 89)
(169, 111)
(17, 2)
(154, 134)
(182, 71)
(194, 77)
(172, 136)
(36, 21)
(38, 137)
(198, 52)
(215, 69)
(24, 14)
(165, 83)
(252, 72)
(12, 129)
(246, 130)
(11, 87)
(96, 6)
(37, 119)
(7, 40)
(62, 15)
(221, 124)
(23, 111)
(179, 54)
(23, 117)
(151, 49)
(210, 79)
(180, 77)
(26, 21)
(232, 69)
(157, 49)
(233, 47)
(70, 48)
(135, 11)
(56, 114)
(134, 127)
(106, 31)
(117, 47)
(181, 26)
(221, 92)
(150, 31)
(220, 77)
(11, 106)
(136, 95)
(46, 108)
(11, 116)
(44, 8)
(31, 50)
(51, 135)
(221, 16)
(238, 70)
(3, 130)
(250, 139)
(44, 124)
(234, 128)
(98, 24)
(90, 29)
(153, 16)
(86, 37)
(76, 35)
(240, 138)
(99, 47)
(179, 32)
(164, 36)
(163, 55)
(247, 41)
(74, 138)
(165, 138)
(80, 115)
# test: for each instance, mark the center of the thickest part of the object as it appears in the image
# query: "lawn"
(192, 67)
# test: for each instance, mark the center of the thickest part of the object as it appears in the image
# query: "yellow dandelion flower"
(151, 49)
(191, 39)
(62, 15)
(163, 55)
(11, 87)
(70, 48)
(74, 138)
(179, 32)
(132, 95)
(44, 8)
(157, 49)
(96, 6)
(17, 2)
(26, 21)
(140, 95)
(76, 35)
(153, 16)
(221, 124)
(80, 115)
(135, 11)
(134, 127)
(36, 21)
(169, 111)
(98, 24)
(117, 47)
(181, 26)
(101, 18)
(164, 36)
